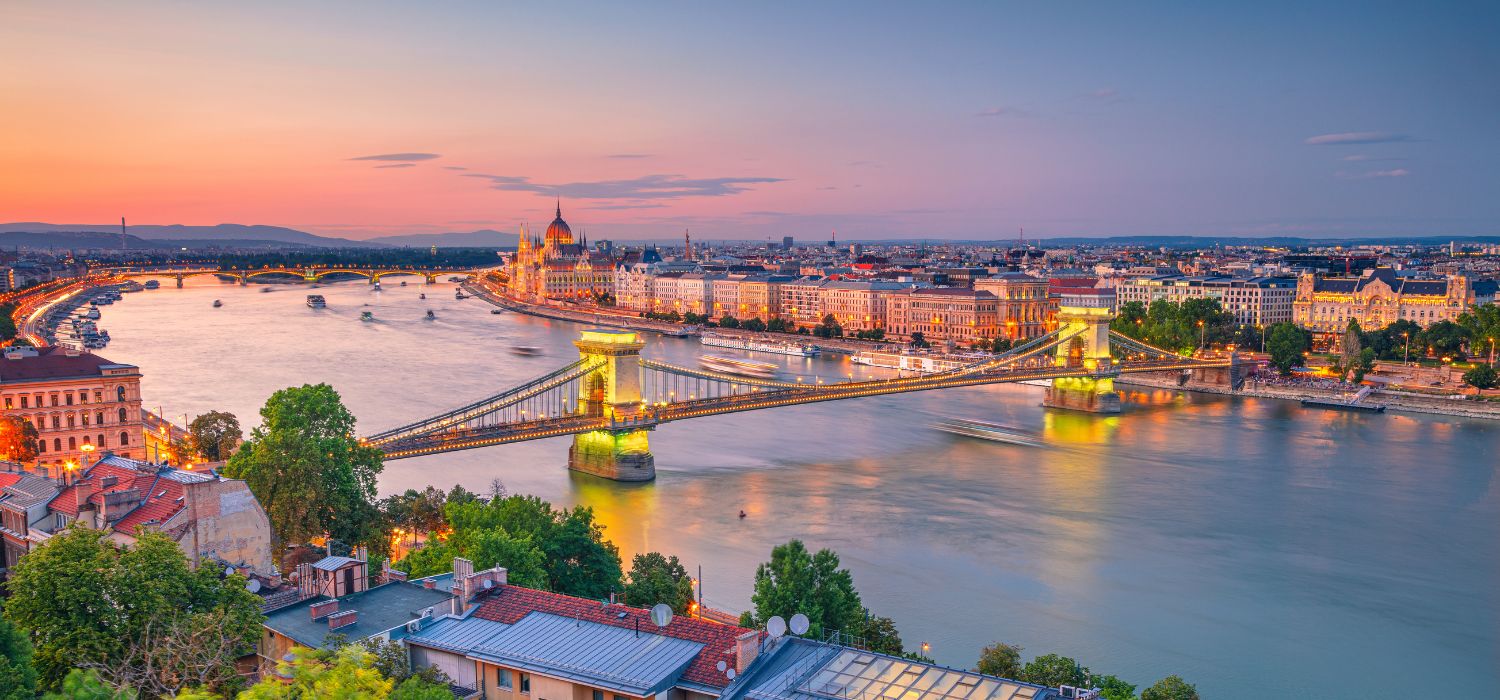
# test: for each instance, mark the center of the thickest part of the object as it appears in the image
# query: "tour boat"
(316, 301)
(734, 365)
(497, 311)
(459, 294)
(430, 315)
(988, 431)
(376, 285)
(525, 350)
(403, 283)
(366, 316)
(771, 346)
(153, 284)
(218, 303)
(93, 313)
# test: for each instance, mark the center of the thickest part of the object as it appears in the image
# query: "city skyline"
(960, 122)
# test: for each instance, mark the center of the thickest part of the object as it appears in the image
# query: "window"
(124, 438)
(525, 684)
(68, 398)
(100, 443)
(119, 393)
(23, 402)
(598, 695)
(98, 396)
(71, 420)
(122, 414)
(7, 401)
(56, 422)
(83, 396)
(99, 418)
(54, 399)
(502, 678)
(41, 446)
(72, 442)
(57, 444)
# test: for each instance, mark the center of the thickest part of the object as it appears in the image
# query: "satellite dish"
(776, 627)
(729, 674)
(661, 614)
(721, 666)
(228, 571)
(253, 586)
(800, 624)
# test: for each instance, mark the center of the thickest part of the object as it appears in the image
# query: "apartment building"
(943, 314)
(1021, 303)
(857, 305)
(80, 403)
(800, 301)
(1254, 301)
(1377, 298)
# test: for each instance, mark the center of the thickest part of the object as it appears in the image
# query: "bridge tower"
(613, 391)
(1087, 311)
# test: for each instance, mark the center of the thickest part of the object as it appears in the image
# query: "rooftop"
(381, 608)
(55, 363)
(640, 663)
(802, 669)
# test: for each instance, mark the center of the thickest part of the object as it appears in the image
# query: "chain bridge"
(611, 397)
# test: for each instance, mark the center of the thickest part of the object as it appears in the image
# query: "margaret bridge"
(611, 397)
(306, 273)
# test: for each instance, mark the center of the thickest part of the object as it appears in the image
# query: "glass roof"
(858, 674)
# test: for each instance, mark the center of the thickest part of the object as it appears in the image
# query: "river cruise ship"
(734, 365)
(316, 301)
(752, 344)
(911, 362)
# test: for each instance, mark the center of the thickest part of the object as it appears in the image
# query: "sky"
(757, 120)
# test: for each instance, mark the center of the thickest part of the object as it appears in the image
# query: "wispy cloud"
(397, 165)
(454, 167)
(640, 188)
(400, 156)
(616, 207)
(628, 156)
(829, 187)
(1356, 138)
(994, 112)
(1362, 158)
(1372, 174)
(1107, 93)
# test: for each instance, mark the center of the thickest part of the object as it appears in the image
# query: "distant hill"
(483, 238)
(222, 234)
(69, 240)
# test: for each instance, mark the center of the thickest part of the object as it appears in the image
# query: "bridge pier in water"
(612, 391)
(1087, 313)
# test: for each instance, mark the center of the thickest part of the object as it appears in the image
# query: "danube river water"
(1257, 549)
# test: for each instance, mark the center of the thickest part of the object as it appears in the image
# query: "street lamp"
(1406, 354)
(1202, 333)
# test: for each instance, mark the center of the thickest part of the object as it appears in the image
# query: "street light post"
(1406, 354)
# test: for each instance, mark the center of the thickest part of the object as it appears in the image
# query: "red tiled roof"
(8, 478)
(52, 363)
(508, 604)
(161, 495)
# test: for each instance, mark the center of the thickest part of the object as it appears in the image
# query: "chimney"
(429, 584)
(478, 584)
(746, 648)
(82, 491)
(342, 619)
(323, 608)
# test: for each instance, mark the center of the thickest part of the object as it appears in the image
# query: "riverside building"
(80, 403)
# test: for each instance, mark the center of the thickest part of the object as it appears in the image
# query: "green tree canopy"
(1000, 659)
(657, 578)
(1445, 339)
(18, 438)
(82, 684)
(1287, 344)
(880, 635)
(1482, 377)
(214, 435)
(140, 616)
(1053, 670)
(309, 471)
(797, 581)
(17, 675)
(1170, 688)
(560, 550)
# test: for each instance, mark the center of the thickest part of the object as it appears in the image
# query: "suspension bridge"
(611, 397)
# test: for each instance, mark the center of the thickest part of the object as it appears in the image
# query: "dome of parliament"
(558, 232)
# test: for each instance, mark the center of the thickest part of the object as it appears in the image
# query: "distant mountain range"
(483, 238)
(68, 240)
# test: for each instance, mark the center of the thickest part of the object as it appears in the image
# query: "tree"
(214, 435)
(1349, 349)
(83, 684)
(829, 328)
(1446, 339)
(348, 673)
(18, 439)
(1170, 688)
(1482, 377)
(657, 578)
(754, 324)
(1052, 671)
(1363, 363)
(1113, 688)
(1000, 659)
(918, 340)
(130, 614)
(797, 581)
(1286, 344)
(880, 635)
(308, 470)
(17, 675)
(727, 321)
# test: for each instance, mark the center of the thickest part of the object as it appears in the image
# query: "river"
(1258, 549)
